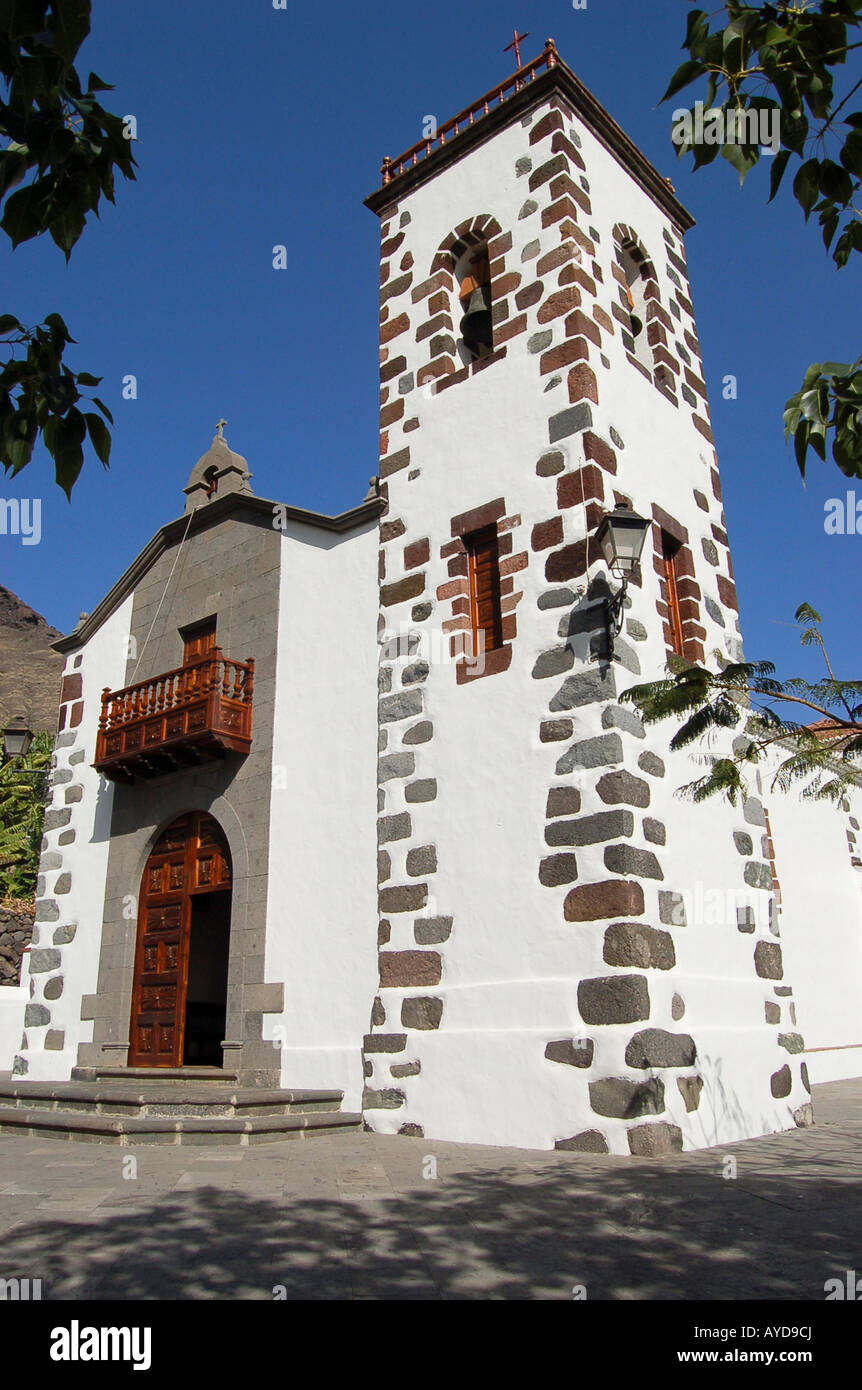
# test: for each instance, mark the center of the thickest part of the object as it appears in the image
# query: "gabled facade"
(555, 950)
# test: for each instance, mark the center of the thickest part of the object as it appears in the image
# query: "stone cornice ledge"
(559, 78)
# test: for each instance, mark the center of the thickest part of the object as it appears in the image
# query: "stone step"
(164, 1075)
(217, 1130)
(134, 1098)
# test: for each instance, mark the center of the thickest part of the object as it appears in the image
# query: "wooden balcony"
(188, 716)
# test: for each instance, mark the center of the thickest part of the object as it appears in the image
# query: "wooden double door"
(189, 865)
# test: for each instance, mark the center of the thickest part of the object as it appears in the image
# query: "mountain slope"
(29, 670)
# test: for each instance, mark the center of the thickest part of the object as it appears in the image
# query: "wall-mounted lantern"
(16, 739)
(621, 536)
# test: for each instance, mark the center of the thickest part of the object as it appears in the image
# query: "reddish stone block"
(394, 328)
(394, 463)
(72, 688)
(585, 485)
(418, 553)
(76, 714)
(403, 969)
(563, 207)
(559, 256)
(669, 524)
(442, 280)
(573, 350)
(727, 592)
(550, 123)
(479, 517)
(434, 325)
(600, 452)
(511, 330)
(547, 533)
(560, 302)
(390, 413)
(402, 590)
(568, 563)
(396, 367)
(504, 284)
(499, 244)
(530, 295)
(490, 665)
(440, 367)
(513, 563)
(577, 324)
(582, 384)
(612, 898)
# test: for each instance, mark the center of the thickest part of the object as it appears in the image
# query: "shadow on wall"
(669, 1229)
(720, 1111)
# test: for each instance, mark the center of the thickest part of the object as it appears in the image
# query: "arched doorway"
(179, 994)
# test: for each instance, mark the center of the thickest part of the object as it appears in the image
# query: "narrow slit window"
(485, 612)
(669, 552)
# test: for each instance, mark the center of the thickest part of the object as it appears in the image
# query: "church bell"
(476, 323)
(475, 296)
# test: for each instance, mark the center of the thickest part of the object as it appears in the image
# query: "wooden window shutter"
(198, 641)
(485, 614)
(669, 551)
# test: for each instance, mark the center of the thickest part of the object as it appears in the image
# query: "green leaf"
(66, 227)
(8, 322)
(776, 173)
(806, 185)
(22, 215)
(685, 73)
(104, 409)
(742, 160)
(99, 436)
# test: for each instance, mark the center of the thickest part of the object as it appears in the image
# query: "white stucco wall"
(321, 912)
(821, 925)
(86, 860)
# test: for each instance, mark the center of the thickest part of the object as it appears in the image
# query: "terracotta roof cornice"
(557, 78)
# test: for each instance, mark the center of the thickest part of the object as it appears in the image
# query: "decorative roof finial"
(220, 424)
(516, 44)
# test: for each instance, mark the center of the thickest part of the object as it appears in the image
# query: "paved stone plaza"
(355, 1216)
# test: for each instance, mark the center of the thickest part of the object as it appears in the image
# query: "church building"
(421, 862)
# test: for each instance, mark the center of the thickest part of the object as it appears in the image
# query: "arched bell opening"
(631, 264)
(179, 993)
(638, 271)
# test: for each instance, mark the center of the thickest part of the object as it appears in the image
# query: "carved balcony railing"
(183, 717)
(391, 168)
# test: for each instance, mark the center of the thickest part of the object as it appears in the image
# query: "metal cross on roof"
(516, 44)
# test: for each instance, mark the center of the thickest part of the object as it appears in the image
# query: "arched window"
(632, 264)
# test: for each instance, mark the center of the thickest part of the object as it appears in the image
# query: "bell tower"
(549, 973)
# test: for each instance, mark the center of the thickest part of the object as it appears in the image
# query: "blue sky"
(260, 127)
